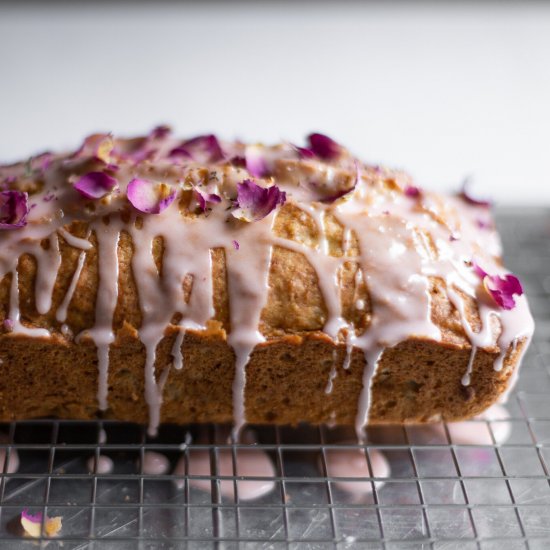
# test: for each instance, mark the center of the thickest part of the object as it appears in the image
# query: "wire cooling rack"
(439, 495)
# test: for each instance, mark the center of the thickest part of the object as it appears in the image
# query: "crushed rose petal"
(238, 161)
(303, 152)
(255, 161)
(236, 245)
(255, 202)
(95, 185)
(204, 198)
(501, 288)
(8, 324)
(205, 148)
(31, 523)
(466, 195)
(14, 208)
(150, 197)
(412, 191)
(484, 224)
(160, 132)
(324, 147)
(98, 146)
(179, 152)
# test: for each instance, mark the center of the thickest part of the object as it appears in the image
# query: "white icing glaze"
(402, 242)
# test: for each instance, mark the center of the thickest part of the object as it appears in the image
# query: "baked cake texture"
(164, 280)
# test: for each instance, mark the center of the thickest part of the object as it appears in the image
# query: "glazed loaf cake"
(164, 280)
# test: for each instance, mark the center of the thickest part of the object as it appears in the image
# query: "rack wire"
(440, 495)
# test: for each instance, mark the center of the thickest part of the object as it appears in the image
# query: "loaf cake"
(158, 279)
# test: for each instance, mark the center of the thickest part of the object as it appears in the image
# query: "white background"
(443, 90)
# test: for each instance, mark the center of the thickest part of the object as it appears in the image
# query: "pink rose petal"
(303, 152)
(256, 163)
(160, 132)
(501, 288)
(14, 208)
(95, 185)
(236, 245)
(98, 146)
(150, 197)
(254, 202)
(324, 147)
(204, 198)
(31, 523)
(204, 149)
(412, 191)
(466, 195)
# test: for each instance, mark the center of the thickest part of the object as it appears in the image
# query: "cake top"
(200, 194)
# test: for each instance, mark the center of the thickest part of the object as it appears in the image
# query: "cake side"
(195, 281)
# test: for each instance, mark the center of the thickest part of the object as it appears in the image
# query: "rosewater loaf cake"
(164, 280)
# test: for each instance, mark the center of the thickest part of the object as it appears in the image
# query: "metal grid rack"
(441, 495)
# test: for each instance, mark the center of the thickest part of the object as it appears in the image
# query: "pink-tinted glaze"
(155, 463)
(104, 465)
(249, 463)
(402, 243)
(352, 463)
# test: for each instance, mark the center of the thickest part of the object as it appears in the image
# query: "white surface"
(443, 90)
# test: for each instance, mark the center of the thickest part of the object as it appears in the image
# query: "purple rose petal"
(95, 185)
(204, 198)
(254, 202)
(236, 245)
(150, 197)
(238, 161)
(412, 191)
(465, 195)
(9, 324)
(98, 146)
(204, 148)
(180, 152)
(303, 152)
(14, 208)
(160, 132)
(501, 288)
(324, 147)
(256, 162)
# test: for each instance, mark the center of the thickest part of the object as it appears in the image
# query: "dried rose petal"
(31, 523)
(98, 146)
(254, 202)
(412, 191)
(501, 288)
(95, 185)
(324, 147)
(238, 161)
(236, 245)
(160, 132)
(303, 152)
(14, 208)
(150, 197)
(8, 325)
(465, 195)
(343, 192)
(204, 148)
(484, 224)
(179, 152)
(204, 198)
(256, 162)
